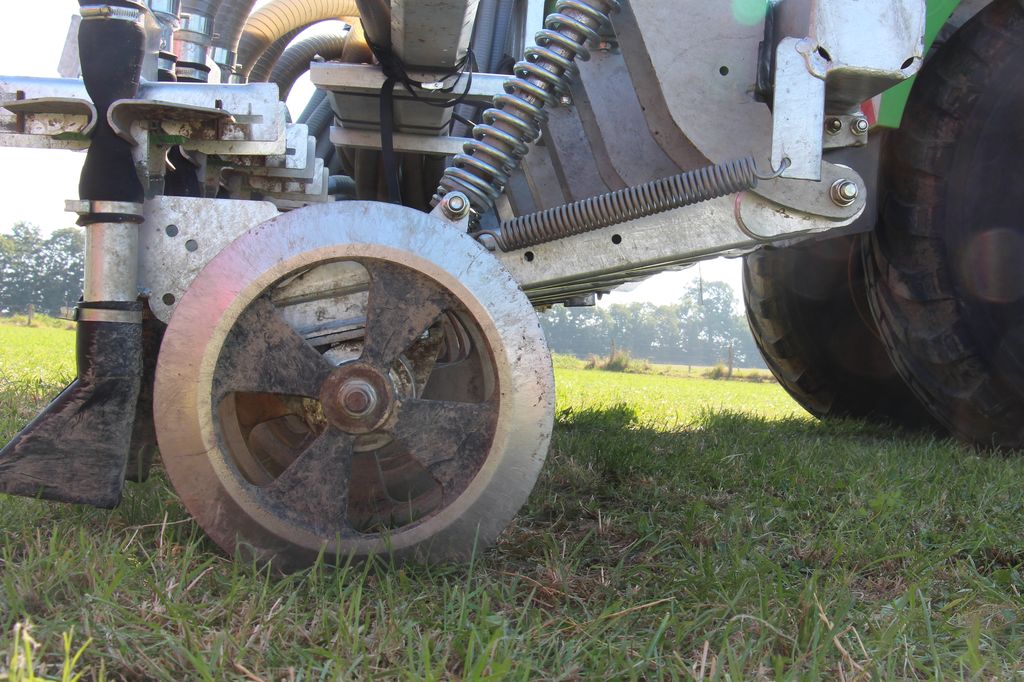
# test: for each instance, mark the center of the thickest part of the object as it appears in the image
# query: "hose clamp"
(172, 7)
(223, 57)
(87, 207)
(196, 23)
(104, 315)
(120, 13)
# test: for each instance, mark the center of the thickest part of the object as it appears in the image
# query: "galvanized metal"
(181, 235)
(601, 260)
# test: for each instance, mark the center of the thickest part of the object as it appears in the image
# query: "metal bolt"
(358, 398)
(455, 205)
(844, 192)
(833, 126)
(859, 126)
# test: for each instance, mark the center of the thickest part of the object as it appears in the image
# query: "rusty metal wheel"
(355, 379)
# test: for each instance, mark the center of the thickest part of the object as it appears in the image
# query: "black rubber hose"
(111, 52)
(321, 119)
(312, 105)
(296, 59)
(265, 64)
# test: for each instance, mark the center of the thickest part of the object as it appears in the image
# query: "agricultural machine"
(327, 326)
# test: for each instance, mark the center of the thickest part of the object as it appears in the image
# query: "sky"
(36, 182)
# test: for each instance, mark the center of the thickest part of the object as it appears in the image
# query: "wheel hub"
(357, 398)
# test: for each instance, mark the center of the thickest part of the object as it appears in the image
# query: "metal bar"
(367, 80)
(404, 142)
(605, 258)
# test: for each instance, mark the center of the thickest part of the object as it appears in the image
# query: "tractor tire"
(945, 266)
(808, 314)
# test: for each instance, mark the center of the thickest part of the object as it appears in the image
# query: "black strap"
(396, 72)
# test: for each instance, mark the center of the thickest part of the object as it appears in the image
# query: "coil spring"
(630, 203)
(501, 141)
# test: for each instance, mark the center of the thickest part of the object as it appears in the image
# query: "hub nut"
(844, 192)
(358, 398)
(860, 126)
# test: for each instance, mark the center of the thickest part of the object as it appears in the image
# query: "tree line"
(45, 272)
(701, 329)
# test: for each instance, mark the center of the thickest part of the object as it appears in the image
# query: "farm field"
(682, 528)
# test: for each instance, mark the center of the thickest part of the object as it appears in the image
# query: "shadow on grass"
(617, 440)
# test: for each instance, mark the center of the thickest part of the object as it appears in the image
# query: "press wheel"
(354, 379)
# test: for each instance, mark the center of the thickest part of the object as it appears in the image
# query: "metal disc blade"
(263, 354)
(402, 305)
(449, 439)
(314, 490)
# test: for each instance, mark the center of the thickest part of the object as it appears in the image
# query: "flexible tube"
(483, 33)
(265, 64)
(321, 118)
(314, 101)
(228, 23)
(295, 60)
(274, 20)
(502, 21)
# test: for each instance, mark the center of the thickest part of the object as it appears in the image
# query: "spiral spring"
(630, 203)
(500, 142)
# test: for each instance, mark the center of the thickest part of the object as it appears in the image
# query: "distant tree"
(62, 266)
(21, 277)
(46, 273)
(709, 321)
(698, 330)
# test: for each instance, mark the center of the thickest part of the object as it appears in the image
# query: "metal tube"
(192, 41)
(111, 262)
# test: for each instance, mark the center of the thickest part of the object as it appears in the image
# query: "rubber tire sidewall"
(940, 335)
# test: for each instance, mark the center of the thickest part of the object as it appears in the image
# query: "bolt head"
(860, 126)
(845, 192)
(833, 125)
(457, 203)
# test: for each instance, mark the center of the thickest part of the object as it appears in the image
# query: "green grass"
(682, 528)
(629, 365)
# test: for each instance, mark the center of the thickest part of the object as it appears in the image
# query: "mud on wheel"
(357, 379)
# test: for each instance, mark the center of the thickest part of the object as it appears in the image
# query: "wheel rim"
(425, 415)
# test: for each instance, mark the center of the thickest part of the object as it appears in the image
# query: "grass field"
(682, 528)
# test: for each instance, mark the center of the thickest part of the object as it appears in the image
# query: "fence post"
(31, 310)
(730, 358)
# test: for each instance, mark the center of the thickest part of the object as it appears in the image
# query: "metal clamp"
(87, 207)
(120, 13)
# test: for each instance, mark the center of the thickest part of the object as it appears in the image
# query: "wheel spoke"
(449, 439)
(423, 356)
(402, 305)
(314, 489)
(263, 354)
